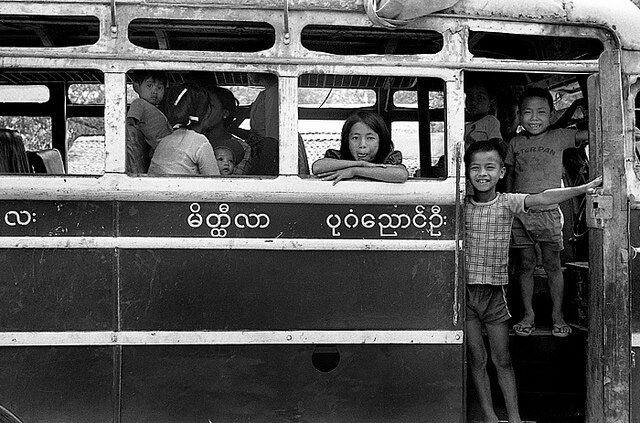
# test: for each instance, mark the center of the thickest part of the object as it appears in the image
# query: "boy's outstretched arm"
(558, 195)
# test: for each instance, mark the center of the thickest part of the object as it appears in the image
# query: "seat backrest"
(46, 161)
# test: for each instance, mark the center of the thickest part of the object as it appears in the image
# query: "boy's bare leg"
(551, 263)
(526, 266)
(499, 345)
(477, 359)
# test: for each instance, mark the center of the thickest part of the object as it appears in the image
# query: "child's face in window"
(225, 161)
(150, 89)
(364, 142)
(485, 170)
(535, 115)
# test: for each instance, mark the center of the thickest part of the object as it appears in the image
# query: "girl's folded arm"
(327, 164)
(389, 173)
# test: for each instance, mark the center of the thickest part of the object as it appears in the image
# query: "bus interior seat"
(46, 161)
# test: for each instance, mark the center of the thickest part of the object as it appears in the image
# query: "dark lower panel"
(634, 270)
(56, 385)
(635, 387)
(57, 289)
(263, 384)
(286, 290)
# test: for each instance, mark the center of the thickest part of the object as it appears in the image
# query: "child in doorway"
(186, 151)
(534, 161)
(366, 151)
(488, 219)
(146, 124)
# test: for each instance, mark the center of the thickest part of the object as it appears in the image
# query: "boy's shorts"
(487, 303)
(538, 226)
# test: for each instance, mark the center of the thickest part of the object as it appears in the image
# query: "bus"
(276, 296)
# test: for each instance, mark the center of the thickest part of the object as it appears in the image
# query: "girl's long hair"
(13, 158)
(373, 121)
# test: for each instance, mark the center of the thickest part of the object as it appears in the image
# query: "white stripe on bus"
(283, 189)
(635, 340)
(106, 338)
(228, 243)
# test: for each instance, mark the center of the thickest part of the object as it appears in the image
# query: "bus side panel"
(57, 289)
(280, 383)
(63, 384)
(286, 290)
(634, 269)
(635, 386)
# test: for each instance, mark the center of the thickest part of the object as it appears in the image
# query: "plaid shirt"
(487, 236)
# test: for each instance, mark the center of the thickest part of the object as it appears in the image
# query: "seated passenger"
(224, 104)
(186, 151)
(13, 157)
(264, 120)
(146, 124)
(481, 124)
(366, 151)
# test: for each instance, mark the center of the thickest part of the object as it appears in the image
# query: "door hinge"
(599, 210)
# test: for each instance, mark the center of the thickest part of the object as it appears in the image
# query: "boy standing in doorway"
(534, 160)
(488, 219)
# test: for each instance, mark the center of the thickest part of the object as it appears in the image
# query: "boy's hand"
(591, 186)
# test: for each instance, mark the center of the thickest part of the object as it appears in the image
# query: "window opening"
(225, 116)
(48, 31)
(346, 40)
(176, 34)
(533, 47)
(416, 133)
(47, 128)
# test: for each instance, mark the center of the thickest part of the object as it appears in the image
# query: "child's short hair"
(139, 76)
(492, 144)
(538, 93)
(186, 103)
(377, 124)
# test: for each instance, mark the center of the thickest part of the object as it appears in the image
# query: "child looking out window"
(366, 151)
(146, 124)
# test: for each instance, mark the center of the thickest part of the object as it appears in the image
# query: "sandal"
(561, 330)
(523, 328)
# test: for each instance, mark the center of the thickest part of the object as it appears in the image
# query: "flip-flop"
(561, 330)
(523, 328)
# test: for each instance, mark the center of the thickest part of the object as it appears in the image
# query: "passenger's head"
(479, 101)
(228, 152)
(13, 158)
(226, 160)
(535, 107)
(484, 162)
(188, 105)
(229, 104)
(150, 85)
(365, 137)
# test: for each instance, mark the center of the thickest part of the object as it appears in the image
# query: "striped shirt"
(487, 236)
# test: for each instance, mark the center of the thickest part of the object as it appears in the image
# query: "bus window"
(345, 40)
(60, 120)
(243, 122)
(48, 31)
(533, 47)
(202, 35)
(327, 100)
